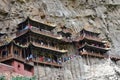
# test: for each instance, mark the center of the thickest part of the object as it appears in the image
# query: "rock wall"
(100, 15)
(79, 68)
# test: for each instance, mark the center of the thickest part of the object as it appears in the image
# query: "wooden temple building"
(35, 43)
(89, 44)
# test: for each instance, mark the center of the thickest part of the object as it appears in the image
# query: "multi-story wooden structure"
(35, 43)
(10, 55)
(89, 44)
(39, 44)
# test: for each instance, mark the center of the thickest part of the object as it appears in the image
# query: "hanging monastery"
(38, 44)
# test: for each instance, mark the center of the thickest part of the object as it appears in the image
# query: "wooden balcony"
(93, 38)
(89, 38)
(43, 46)
(44, 33)
(92, 54)
(49, 34)
(16, 57)
(93, 47)
(98, 47)
(49, 47)
(6, 58)
(47, 63)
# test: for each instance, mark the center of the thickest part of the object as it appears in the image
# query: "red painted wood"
(19, 68)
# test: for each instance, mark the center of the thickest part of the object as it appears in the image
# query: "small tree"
(2, 77)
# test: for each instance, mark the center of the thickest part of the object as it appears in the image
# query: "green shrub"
(2, 77)
(23, 78)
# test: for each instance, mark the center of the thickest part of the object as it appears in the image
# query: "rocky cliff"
(100, 15)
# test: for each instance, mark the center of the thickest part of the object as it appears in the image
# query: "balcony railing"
(49, 47)
(42, 32)
(10, 56)
(89, 37)
(27, 61)
(93, 38)
(18, 57)
(49, 63)
(50, 34)
(95, 46)
(6, 57)
(103, 48)
(92, 54)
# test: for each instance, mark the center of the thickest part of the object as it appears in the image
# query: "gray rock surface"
(102, 15)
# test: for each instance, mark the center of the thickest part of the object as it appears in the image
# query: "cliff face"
(101, 15)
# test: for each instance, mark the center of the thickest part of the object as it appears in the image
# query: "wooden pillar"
(30, 37)
(24, 53)
(51, 59)
(20, 51)
(57, 45)
(84, 34)
(0, 53)
(11, 49)
(27, 39)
